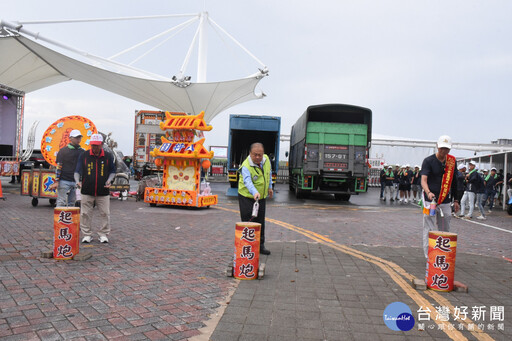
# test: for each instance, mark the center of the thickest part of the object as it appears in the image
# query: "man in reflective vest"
(255, 184)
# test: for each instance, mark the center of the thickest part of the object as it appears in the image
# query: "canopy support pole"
(180, 26)
(236, 42)
(202, 49)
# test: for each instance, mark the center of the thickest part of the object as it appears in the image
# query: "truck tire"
(342, 197)
(233, 184)
(298, 191)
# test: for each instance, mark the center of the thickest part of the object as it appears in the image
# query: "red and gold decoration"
(442, 249)
(446, 183)
(57, 135)
(182, 159)
(9, 168)
(66, 230)
(247, 250)
(36, 183)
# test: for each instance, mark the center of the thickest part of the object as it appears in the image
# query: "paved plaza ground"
(333, 270)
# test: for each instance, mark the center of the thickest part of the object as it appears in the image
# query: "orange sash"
(446, 183)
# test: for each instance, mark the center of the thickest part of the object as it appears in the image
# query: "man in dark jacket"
(383, 181)
(491, 185)
(472, 183)
(97, 170)
(461, 180)
(67, 158)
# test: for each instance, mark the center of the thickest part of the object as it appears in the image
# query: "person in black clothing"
(461, 177)
(480, 194)
(67, 158)
(416, 183)
(389, 176)
(97, 169)
(472, 181)
(405, 184)
(491, 183)
(432, 171)
(383, 181)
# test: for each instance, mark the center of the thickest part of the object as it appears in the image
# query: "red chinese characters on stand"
(247, 250)
(442, 249)
(66, 230)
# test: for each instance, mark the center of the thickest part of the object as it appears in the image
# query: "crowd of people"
(400, 183)
(480, 188)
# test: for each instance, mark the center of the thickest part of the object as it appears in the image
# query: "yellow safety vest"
(260, 177)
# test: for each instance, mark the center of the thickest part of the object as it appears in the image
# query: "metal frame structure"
(20, 106)
(476, 147)
(200, 37)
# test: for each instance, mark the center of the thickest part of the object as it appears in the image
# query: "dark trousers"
(246, 213)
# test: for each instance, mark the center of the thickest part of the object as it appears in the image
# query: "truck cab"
(245, 130)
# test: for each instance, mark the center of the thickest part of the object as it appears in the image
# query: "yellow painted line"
(393, 270)
(478, 333)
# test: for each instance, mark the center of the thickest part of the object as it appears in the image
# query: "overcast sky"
(425, 68)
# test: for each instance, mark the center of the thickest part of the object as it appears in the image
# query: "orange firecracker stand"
(442, 249)
(66, 230)
(247, 250)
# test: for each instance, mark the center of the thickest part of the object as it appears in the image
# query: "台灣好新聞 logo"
(398, 316)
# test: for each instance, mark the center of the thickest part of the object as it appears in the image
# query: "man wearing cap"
(439, 183)
(471, 182)
(96, 168)
(389, 177)
(67, 158)
(396, 182)
(490, 181)
(461, 179)
(416, 183)
(383, 181)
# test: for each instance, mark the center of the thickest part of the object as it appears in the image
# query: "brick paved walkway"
(162, 275)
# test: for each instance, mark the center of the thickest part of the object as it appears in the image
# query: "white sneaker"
(481, 217)
(467, 216)
(406, 201)
(489, 211)
(87, 239)
(103, 239)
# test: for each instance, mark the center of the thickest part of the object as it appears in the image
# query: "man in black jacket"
(472, 183)
(67, 158)
(97, 170)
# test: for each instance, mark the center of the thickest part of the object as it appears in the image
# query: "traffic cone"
(1, 193)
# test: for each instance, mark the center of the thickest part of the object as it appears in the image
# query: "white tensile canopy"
(28, 66)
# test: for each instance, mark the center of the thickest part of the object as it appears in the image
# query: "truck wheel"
(53, 202)
(233, 184)
(298, 191)
(509, 209)
(35, 201)
(342, 197)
